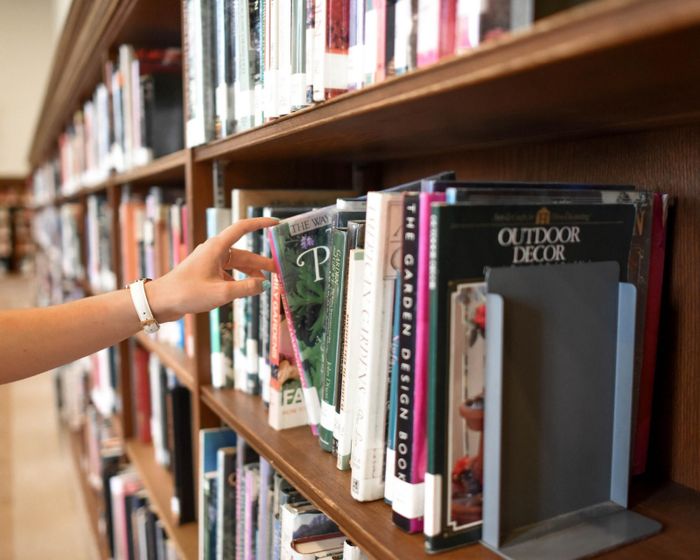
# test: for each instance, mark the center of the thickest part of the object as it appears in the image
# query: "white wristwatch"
(143, 310)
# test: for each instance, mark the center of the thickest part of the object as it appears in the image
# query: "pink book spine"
(420, 438)
(312, 414)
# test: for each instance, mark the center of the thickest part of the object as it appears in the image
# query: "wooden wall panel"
(664, 160)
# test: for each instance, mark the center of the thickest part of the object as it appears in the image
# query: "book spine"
(252, 311)
(319, 48)
(657, 258)
(382, 240)
(369, 48)
(390, 485)
(220, 319)
(428, 40)
(284, 76)
(243, 84)
(142, 393)
(298, 53)
(310, 33)
(252, 491)
(183, 498)
(256, 20)
(272, 59)
(380, 68)
(406, 497)
(404, 37)
(422, 349)
(226, 520)
(448, 18)
(331, 343)
(221, 87)
(311, 400)
(467, 24)
(336, 47)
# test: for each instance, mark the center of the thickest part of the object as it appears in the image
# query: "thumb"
(247, 287)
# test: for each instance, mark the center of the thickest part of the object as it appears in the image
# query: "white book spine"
(310, 50)
(382, 240)
(353, 333)
(284, 77)
(319, 43)
(403, 24)
(126, 56)
(369, 46)
(428, 31)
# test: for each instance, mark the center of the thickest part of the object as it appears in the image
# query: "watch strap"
(143, 310)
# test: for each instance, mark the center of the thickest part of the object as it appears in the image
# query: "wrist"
(162, 303)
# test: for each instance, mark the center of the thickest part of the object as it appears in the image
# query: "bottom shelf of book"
(159, 486)
(91, 497)
(295, 453)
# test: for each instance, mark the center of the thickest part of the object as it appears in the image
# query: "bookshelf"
(608, 92)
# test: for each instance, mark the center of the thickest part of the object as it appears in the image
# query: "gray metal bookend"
(558, 412)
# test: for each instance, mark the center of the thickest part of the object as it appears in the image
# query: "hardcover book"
(464, 239)
(301, 252)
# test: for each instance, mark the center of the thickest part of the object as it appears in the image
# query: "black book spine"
(183, 475)
(151, 549)
(407, 345)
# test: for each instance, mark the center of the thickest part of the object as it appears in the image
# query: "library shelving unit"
(608, 92)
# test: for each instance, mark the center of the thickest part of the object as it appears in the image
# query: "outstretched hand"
(201, 282)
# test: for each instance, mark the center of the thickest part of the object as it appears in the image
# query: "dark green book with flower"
(301, 249)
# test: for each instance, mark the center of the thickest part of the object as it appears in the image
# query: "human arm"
(35, 340)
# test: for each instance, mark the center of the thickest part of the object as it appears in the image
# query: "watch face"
(150, 326)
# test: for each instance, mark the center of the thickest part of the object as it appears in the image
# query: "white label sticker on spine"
(431, 521)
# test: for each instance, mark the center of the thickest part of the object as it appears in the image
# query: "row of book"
(383, 298)
(250, 511)
(162, 414)
(250, 61)
(134, 116)
(153, 241)
(16, 246)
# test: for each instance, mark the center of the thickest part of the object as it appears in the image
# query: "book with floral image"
(465, 239)
(301, 250)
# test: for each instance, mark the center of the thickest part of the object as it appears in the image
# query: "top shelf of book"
(608, 66)
(91, 29)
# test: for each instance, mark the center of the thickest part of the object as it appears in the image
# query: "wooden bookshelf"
(608, 92)
(297, 456)
(159, 486)
(171, 357)
(574, 74)
(91, 499)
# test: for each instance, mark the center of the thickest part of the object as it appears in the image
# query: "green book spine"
(333, 335)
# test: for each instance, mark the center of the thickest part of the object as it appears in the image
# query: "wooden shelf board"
(90, 496)
(296, 454)
(605, 66)
(167, 168)
(174, 358)
(159, 486)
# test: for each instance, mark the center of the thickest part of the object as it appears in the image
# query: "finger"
(245, 288)
(252, 272)
(238, 258)
(234, 232)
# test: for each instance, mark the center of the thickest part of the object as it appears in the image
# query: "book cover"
(382, 260)
(287, 409)
(301, 252)
(464, 239)
(226, 503)
(333, 314)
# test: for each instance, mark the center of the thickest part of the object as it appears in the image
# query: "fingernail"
(266, 285)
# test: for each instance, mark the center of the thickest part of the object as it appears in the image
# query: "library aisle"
(41, 513)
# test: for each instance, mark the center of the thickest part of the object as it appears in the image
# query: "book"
(301, 253)
(391, 433)
(210, 441)
(302, 520)
(246, 457)
(265, 513)
(352, 552)
(142, 394)
(330, 360)
(406, 23)
(251, 480)
(330, 48)
(382, 248)
(220, 318)
(412, 461)
(224, 100)
(350, 365)
(180, 445)
(226, 503)
(317, 546)
(436, 30)
(464, 239)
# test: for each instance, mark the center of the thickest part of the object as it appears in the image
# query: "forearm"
(36, 340)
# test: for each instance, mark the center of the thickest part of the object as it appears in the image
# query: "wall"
(28, 32)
